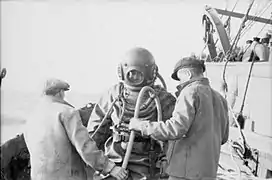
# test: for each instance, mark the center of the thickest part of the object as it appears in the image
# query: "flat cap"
(53, 86)
(187, 62)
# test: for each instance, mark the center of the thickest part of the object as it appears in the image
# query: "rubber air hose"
(136, 115)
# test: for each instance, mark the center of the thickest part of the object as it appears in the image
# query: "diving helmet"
(138, 68)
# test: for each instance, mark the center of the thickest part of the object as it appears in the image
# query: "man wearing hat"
(198, 126)
(255, 48)
(55, 90)
(58, 143)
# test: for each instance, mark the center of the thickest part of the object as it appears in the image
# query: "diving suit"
(137, 70)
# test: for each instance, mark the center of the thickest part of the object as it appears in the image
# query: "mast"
(240, 15)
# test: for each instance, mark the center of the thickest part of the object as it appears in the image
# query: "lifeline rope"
(236, 39)
(250, 24)
(244, 98)
(248, 78)
(265, 24)
(241, 115)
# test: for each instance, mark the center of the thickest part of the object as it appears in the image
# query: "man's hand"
(119, 173)
(135, 124)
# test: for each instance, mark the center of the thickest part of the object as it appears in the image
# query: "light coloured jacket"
(197, 129)
(59, 144)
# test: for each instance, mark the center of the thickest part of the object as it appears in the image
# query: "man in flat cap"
(198, 126)
(55, 90)
(58, 143)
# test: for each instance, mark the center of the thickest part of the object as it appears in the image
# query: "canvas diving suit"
(113, 135)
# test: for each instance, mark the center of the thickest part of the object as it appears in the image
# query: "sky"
(82, 42)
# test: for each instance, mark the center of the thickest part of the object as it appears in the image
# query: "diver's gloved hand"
(119, 173)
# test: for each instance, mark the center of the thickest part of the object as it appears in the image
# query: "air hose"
(162, 81)
(138, 107)
(136, 115)
(108, 112)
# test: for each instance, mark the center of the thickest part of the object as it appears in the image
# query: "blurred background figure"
(265, 42)
(247, 51)
(3, 74)
(270, 50)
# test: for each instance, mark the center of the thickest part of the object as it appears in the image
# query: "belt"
(125, 138)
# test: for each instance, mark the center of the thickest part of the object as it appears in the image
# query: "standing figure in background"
(270, 50)
(255, 48)
(2, 75)
(265, 42)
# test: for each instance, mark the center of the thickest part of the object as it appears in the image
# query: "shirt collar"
(58, 100)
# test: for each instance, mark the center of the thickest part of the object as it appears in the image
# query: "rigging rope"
(252, 22)
(260, 30)
(245, 26)
(247, 149)
(240, 116)
(232, 9)
(248, 78)
(227, 22)
(260, 13)
(233, 45)
(264, 25)
(257, 14)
